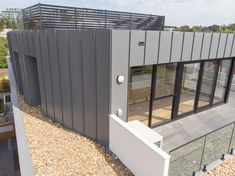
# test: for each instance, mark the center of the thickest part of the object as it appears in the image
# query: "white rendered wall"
(141, 156)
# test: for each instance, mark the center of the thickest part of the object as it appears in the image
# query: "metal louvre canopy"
(42, 16)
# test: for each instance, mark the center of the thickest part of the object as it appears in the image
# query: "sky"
(177, 12)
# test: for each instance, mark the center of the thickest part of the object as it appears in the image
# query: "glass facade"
(139, 93)
(164, 92)
(188, 87)
(222, 81)
(159, 93)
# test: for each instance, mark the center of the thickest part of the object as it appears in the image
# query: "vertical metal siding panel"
(214, 45)
(31, 47)
(176, 46)
(165, 47)
(120, 55)
(206, 46)
(229, 45)
(89, 82)
(22, 52)
(40, 71)
(233, 47)
(197, 46)
(63, 53)
(55, 74)
(221, 48)
(136, 50)
(151, 50)
(103, 84)
(46, 71)
(75, 52)
(25, 42)
(187, 48)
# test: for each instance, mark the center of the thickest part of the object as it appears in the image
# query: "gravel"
(227, 168)
(59, 151)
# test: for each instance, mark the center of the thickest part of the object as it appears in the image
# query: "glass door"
(209, 72)
(163, 93)
(188, 89)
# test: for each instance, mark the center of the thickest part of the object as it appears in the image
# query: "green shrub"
(3, 52)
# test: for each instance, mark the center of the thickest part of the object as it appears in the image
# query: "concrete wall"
(73, 73)
(138, 48)
(140, 155)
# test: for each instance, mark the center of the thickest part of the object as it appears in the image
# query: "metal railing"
(42, 16)
(196, 155)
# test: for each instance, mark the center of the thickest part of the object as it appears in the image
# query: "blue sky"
(177, 12)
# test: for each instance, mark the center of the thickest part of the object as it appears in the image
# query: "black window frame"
(177, 88)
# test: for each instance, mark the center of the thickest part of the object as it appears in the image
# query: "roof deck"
(184, 130)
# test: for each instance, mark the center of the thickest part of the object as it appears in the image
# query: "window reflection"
(139, 93)
(222, 80)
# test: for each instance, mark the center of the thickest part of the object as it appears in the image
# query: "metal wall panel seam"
(71, 99)
(172, 36)
(96, 87)
(26, 64)
(43, 76)
(58, 63)
(82, 69)
(202, 46)
(192, 46)
(218, 46)
(50, 76)
(232, 45)
(182, 49)
(128, 77)
(111, 70)
(225, 44)
(159, 42)
(210, 47)
(144, 46)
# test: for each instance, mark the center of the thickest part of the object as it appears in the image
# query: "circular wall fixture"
(120, 79)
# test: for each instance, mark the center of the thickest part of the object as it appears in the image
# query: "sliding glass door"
(209, 72)
(222, 81)
(139, 93)
(189, 82)
(164, 81)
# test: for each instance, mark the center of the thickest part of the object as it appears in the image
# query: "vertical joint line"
(225, 46)
(210, 46)
(202, 46)
(191, 57)
(182, 49)
(218, 46)
(172, 36)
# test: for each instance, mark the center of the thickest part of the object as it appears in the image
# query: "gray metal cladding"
(233, 47)
(137, 47)
(69, 65)
(214, 45)
(206, 45)
(151, 48)
(177, 40)
(103, 61)
(229, 43)
(89, 81)
(222, 45)
(187, 46)
(64, 67)
(45, 60)
(165, 47)
(55, 75)
(36, 44)
(119, 66)
(197, 46)
(75, 57)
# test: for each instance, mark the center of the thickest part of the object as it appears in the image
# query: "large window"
(188, 87)
(139, 93)
(222, 81)
(164, 92)
(207, 83)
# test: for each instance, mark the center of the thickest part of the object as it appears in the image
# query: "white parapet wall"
(136, 151)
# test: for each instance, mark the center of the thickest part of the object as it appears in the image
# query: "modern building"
(85, 66)
(10, 13)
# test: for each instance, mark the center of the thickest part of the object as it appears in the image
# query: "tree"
(8, 23)
(3, 52)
